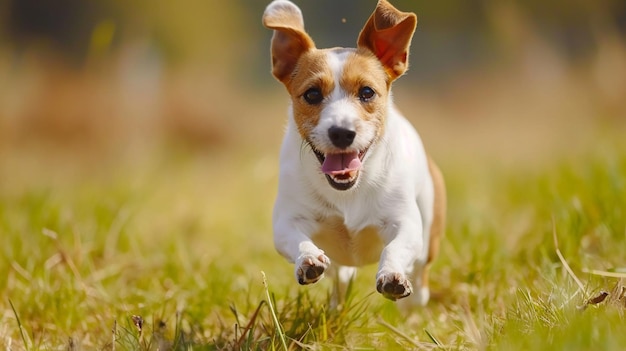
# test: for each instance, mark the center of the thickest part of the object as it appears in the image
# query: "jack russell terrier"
(355, 184)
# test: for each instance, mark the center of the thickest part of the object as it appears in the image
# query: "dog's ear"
(290, 40)
(388, 34)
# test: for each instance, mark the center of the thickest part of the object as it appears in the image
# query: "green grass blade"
(19, 324)
(273, 313)
(433, 338)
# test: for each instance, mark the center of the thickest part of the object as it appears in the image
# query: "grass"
(179, 241)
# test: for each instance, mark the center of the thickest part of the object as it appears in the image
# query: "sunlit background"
(139, 147)
(507, 80)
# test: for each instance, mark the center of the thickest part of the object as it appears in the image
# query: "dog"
(355, 184)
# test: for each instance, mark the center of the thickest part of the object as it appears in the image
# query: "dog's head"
(340, 95)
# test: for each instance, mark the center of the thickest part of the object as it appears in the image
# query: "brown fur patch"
(437, 228)
(346, 248)
(439, 218)
(312, 71)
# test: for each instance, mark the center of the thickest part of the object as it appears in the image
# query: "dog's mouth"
(341, 168)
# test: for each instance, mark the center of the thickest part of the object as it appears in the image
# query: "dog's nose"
(341, 137)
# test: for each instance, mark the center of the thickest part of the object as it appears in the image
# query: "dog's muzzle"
(341, 168)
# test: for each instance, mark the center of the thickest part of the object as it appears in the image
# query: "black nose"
(341, 137)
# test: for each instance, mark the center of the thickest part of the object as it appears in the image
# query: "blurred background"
(146, 134)
(508, 80)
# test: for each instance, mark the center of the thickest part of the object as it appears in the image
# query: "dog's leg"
(402, 253)
(342, 278)
(393, 284)
(310, 261)
(310, 267)
(421, 294)
(434, 224)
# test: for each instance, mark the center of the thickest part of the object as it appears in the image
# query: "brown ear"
(290, 40)
(388, 34)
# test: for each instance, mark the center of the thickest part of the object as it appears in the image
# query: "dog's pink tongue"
(341, 163)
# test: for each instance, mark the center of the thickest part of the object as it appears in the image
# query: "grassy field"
(178, 241)
(137, 183)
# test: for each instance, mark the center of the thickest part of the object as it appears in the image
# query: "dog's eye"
(366, 94)
(313, 96)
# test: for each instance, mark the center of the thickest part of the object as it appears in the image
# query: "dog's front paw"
(310, 269)
(393, 286)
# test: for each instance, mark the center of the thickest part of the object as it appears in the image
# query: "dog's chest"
(345, 247)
